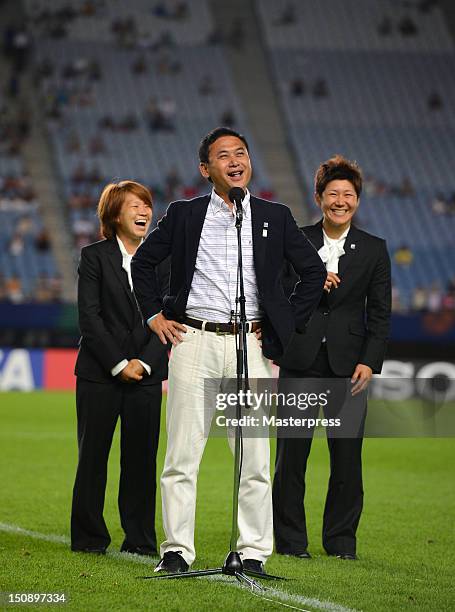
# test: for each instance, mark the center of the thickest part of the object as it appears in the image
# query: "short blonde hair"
(111, 201)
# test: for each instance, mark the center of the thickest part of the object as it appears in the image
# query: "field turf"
(406, 535)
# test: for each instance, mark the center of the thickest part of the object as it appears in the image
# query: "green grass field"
(406, 535)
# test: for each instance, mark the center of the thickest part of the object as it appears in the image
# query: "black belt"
(221, 328)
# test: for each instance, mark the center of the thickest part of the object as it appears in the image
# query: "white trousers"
(205, 355)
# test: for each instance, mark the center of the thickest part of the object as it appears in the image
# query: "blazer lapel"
(351, 250)
(193, 229)
(315, 235)
(116, 261)
(259, 216)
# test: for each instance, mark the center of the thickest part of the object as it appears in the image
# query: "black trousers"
(344, 499)
(98, 408)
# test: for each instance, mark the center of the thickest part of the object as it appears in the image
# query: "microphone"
(236, 195)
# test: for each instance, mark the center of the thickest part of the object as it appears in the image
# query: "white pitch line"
(283, 596)
(59, 539)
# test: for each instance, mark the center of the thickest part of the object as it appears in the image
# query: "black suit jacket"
(178, 234)
(355, 317)
(109, 319)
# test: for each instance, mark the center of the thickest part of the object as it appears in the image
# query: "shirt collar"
(217, 203)
(336, 240)
(122, 248)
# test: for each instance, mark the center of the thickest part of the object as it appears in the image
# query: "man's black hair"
(212, 137)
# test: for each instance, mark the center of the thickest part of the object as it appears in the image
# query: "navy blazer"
(355, 317)
(109, 319)
(178, 234)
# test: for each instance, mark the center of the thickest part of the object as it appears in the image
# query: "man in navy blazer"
(198, 318)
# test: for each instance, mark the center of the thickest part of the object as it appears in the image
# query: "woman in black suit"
(119, 370)
(346, 338)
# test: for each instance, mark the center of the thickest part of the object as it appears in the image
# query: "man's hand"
(332, 280)
(361, 377)
(167, 330)
(258, 334)
(133, 372)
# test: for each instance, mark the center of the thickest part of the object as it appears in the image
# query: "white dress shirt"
(332, 250)
(126, 265)
(213, 290)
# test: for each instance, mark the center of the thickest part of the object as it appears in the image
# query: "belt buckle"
(219, 332)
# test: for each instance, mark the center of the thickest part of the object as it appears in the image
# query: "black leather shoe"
(139, 550)
(299, 555)
(345, 556)
(302, 555)
(253, 565)
(172, 562)
(93, 551)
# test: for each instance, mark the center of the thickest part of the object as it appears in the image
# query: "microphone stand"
(233, 565)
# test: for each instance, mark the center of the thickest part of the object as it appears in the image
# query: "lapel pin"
(352, 246)
(266, 223)
(264, 233)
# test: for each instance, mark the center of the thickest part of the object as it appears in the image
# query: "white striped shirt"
(213, 290)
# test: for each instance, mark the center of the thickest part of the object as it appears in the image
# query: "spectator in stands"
(345, 338)
(451, 286)
(139, 66)
(439, 205)
(206, 85)
(128, 123)
(403, 256)
(88, 9)
(13, 290)
(227, 118)
(167, 64)
(435, 101)
(297, 87)
(96, 145)
(16, 246)
(435, 295)
(42, 242)
(419, 299)
(154, 116)
(42, 291)
(73, 142)
(165, 41)
(20, 49)
(94, 70)
(406, 189)
(288, 15)
(216, 36)
(106, 122)
(119, 369)
(3, 293)
(173, 182)
(397, 304)
(407, 27)
(125, 32)
(44, 69)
